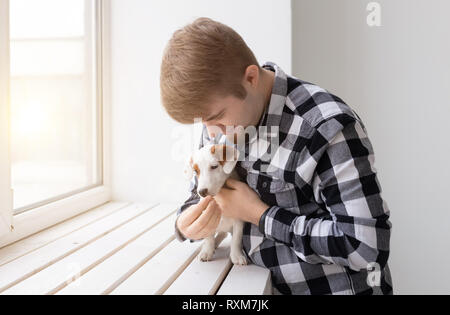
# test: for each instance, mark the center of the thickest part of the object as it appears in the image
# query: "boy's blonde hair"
(202, 61)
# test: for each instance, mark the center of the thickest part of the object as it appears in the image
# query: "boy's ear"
(227, 156)
(188, 168)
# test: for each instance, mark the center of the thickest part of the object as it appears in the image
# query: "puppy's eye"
(213, 167)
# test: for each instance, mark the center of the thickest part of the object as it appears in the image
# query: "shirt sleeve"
(193, 198)
(339, 173)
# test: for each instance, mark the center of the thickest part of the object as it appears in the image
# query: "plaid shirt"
(327, 230)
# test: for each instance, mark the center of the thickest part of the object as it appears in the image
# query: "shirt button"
(264, 185)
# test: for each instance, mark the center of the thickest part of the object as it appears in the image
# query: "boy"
(314, 212)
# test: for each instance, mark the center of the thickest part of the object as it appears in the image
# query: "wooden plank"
(64, 271)
(159, 272)
(117, 268)
(162, 270)
(33, 242)
(27, 265)
(202, 278)
(247, 280)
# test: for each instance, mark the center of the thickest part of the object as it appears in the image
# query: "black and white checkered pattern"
(327, 230)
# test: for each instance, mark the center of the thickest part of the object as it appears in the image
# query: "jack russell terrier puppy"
(213, 164)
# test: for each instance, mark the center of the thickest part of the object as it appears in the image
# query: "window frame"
(28, 220)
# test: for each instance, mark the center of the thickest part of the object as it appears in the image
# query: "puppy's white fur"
(213, 165)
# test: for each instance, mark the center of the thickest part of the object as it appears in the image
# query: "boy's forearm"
(256, 213)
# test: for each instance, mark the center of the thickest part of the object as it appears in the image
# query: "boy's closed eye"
(216, 116)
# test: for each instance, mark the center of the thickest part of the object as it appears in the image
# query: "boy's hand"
(196, 224)
(240, 202)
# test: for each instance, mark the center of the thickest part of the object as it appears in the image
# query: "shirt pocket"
(265, 183)
(269, 186)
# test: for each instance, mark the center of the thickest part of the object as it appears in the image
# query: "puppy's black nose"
(203, 192)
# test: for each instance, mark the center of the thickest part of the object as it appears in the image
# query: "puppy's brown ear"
(189, 168)
(226, 155)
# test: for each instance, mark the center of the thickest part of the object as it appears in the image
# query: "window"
(54, 103)
(52, 92)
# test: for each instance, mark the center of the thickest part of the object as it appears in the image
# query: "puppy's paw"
(206, 254)
(238, 259)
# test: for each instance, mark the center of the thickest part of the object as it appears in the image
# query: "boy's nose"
(214, 129)
(203, 192)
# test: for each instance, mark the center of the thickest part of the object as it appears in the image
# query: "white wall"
(143, 169)
(397, 77)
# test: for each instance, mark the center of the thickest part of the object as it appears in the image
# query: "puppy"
(213, 165)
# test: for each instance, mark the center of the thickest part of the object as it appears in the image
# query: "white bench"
(122, 248)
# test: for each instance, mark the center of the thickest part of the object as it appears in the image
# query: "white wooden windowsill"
(122, 248)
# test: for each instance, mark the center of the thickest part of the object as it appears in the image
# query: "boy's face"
(232, 111)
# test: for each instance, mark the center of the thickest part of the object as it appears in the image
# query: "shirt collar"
(272, 114)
